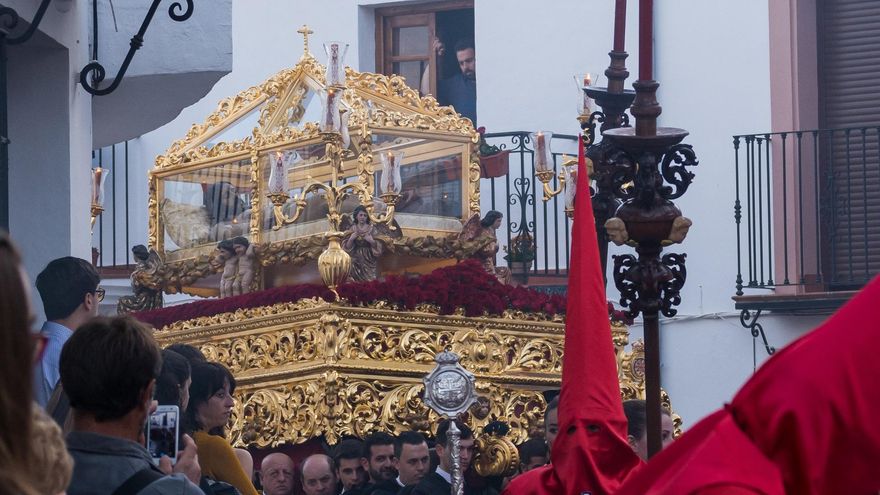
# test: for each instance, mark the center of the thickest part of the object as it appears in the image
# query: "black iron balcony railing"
(807, 209)
(518, 195)
(112, 235)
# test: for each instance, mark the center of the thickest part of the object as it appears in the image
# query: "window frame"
(406, 16)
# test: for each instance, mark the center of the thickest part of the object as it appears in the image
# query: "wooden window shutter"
(849, 96)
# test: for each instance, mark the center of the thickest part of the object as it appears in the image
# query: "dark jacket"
(432, 484)
(102, 463)
(390, 487)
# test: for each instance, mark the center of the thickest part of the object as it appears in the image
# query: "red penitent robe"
(590, 454)
(806, 423)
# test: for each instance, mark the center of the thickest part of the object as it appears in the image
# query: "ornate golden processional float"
(274, 165)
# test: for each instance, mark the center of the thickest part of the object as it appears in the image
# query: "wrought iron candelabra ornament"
(657, 164)
(451, 390)
(97, 71)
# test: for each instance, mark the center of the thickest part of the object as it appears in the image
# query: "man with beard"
(460, 90)
(378, 461)
(276, 473)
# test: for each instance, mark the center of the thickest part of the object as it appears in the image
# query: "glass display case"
(242, 172)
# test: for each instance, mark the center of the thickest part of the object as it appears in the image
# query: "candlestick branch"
(334, 193)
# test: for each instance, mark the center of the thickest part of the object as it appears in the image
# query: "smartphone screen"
(163, 432)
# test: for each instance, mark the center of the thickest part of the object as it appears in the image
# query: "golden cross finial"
(305, 32)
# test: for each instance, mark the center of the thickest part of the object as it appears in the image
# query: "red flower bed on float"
(465, 285)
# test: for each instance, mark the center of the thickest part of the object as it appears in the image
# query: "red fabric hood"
(805, 424)
(814, 409)
(590, 454)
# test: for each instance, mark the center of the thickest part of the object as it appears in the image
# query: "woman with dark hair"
(191, 353)
(172, 386)
(208, 413)
(16, 395)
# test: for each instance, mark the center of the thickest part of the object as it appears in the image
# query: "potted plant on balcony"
(493, 160)
(520, 255)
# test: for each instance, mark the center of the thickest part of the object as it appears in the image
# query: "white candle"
(389, 173)
(542, 151)
(277, 179)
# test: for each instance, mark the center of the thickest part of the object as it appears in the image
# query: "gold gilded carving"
(294, 252)
(267, 351)
(482, 350)
(474, 176)
(153, 212)
(217, 150)
(302, 367)
(428, 246)
(227, 111)
(496, 456)
(183, 331)
(172, 278)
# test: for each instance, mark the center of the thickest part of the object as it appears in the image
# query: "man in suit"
(440, 481)
(347, 458)
(412, 461)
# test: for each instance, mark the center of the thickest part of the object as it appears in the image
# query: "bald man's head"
(277, 474)
(318, 475)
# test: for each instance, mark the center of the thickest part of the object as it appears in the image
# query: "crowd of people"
(94, 381)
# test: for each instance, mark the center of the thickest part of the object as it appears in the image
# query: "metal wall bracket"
(750, 321)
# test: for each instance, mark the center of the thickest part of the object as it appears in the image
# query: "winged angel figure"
(478, 237)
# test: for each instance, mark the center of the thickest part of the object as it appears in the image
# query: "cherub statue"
(144, 298)
(247, 259)
(479, 237)
(365, 241)
(226, 256)
(680, 227)
(616, 230)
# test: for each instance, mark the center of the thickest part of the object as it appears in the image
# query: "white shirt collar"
(400, 482)
(443, 474)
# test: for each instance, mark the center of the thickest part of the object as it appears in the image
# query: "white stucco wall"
(713, 63)
(50, 129)
(177, 65)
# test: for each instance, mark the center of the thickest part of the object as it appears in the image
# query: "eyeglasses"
(99, 293)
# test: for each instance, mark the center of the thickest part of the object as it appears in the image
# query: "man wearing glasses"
(69, 289)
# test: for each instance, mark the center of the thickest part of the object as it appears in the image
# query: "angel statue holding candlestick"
(479, 238)
(364, 243)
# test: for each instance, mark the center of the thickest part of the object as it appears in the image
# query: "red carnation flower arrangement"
(465, 285)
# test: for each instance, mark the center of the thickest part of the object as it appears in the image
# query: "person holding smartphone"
(108, 369)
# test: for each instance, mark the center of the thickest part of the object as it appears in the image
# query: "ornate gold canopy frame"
(377, 105)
